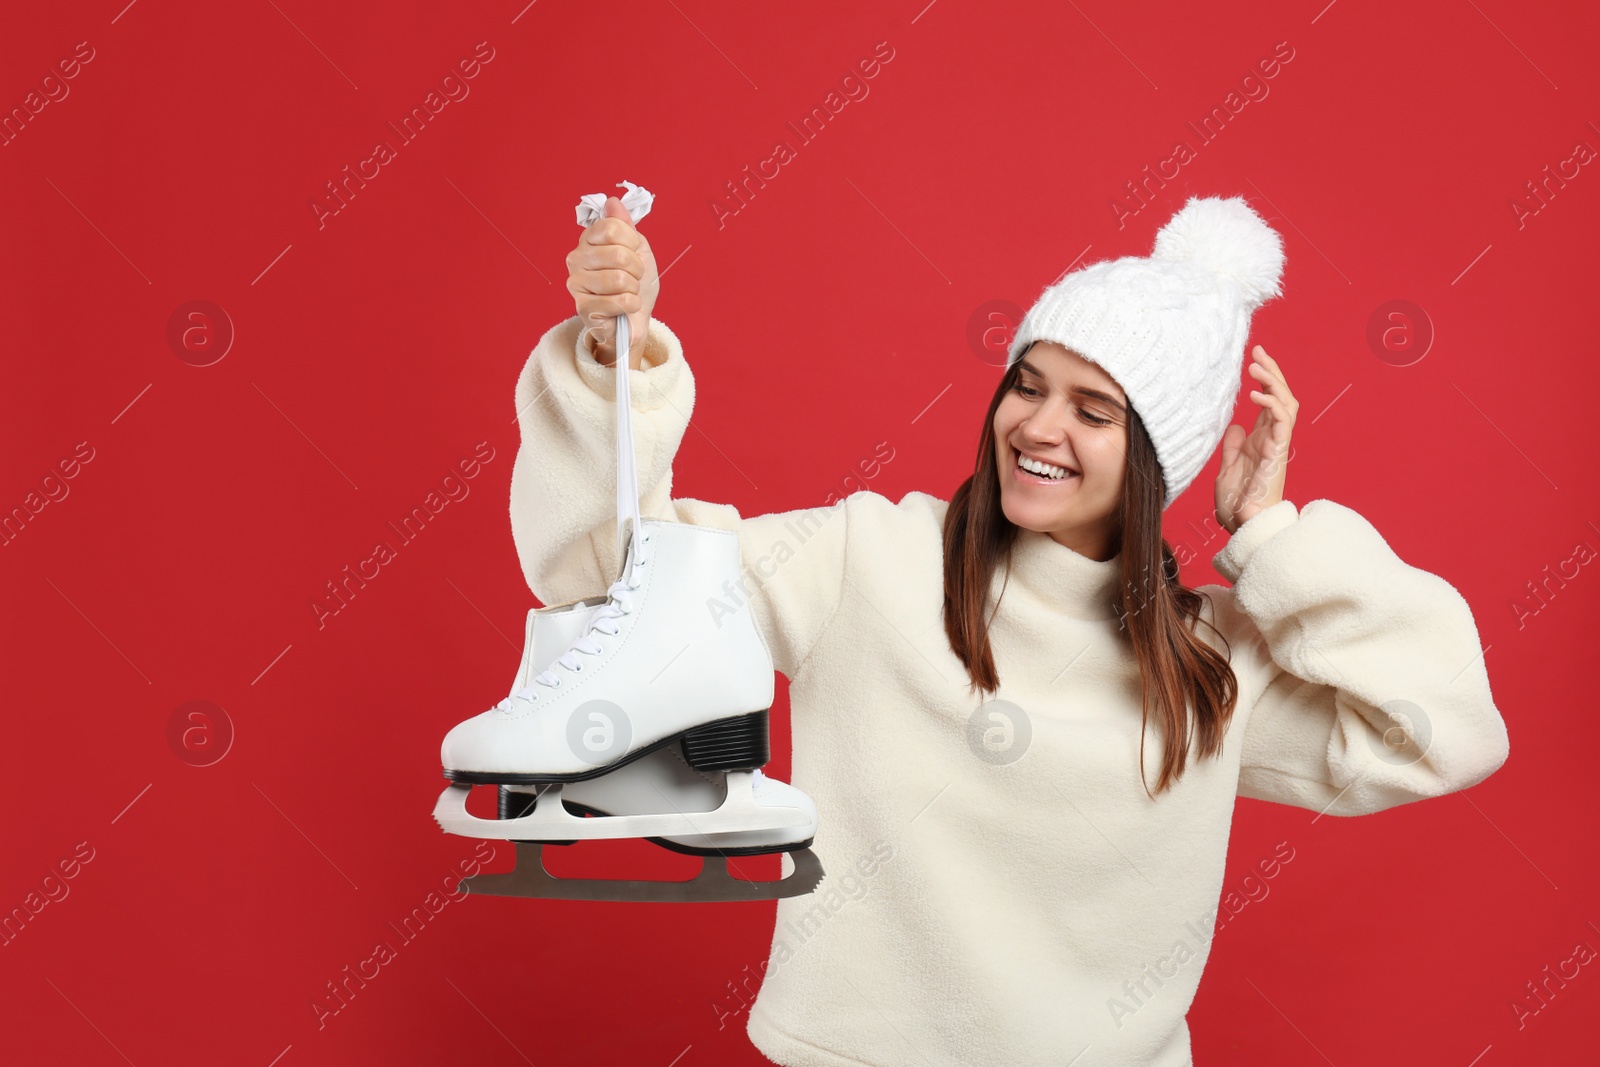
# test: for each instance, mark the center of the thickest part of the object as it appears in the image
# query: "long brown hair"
(1156, 612)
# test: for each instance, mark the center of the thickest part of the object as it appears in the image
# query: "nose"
(1047, 431)
(1046, 427)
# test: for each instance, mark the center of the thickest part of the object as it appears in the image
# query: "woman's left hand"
(1254, 465)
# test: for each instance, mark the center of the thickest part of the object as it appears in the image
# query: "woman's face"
(1067, 412)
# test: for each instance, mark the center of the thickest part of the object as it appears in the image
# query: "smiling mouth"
(1028, 477)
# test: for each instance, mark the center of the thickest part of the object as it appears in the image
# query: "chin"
(1027, 522)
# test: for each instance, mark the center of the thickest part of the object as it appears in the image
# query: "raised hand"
(1255, 464)
(613, 272)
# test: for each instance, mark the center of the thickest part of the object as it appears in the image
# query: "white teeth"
(1044, 470)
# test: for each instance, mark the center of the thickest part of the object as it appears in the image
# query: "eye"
(1030, 392)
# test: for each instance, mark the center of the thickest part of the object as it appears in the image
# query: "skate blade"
(715, 883)
(550, 821)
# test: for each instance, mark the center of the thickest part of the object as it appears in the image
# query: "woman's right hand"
(613, 272)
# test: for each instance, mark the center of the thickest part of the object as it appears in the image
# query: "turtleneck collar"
(1062, 580)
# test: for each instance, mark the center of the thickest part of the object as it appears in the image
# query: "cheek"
(1110, 454)
(1005, 420)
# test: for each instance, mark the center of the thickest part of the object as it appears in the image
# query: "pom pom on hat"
(1228, 239)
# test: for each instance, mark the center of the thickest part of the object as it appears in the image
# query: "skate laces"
(619, 602)
(629, 530)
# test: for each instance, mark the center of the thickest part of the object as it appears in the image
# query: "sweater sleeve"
(564, 492)
(1367, 674)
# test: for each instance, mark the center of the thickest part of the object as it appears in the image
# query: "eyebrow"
(1080, 389)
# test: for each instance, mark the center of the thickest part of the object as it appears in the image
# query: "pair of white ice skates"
(635, 708)
(636, 714)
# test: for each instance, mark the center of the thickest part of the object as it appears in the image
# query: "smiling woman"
(1100, 478)
(1042, 853)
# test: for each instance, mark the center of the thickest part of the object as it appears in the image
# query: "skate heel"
(732, 744)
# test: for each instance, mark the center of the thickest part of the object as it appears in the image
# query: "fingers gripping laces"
(619, 603)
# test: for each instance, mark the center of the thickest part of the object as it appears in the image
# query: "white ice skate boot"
(656, 663)
(660, 793)
(683, 808)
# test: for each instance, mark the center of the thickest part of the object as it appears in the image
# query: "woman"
(1026, 880)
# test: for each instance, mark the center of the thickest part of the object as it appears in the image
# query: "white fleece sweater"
(1029, 912)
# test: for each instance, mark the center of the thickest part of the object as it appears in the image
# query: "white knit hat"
(1170, 329)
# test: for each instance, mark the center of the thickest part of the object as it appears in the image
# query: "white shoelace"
(619, 603)
(628, 517)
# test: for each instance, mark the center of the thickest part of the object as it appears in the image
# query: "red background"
(374, 352)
